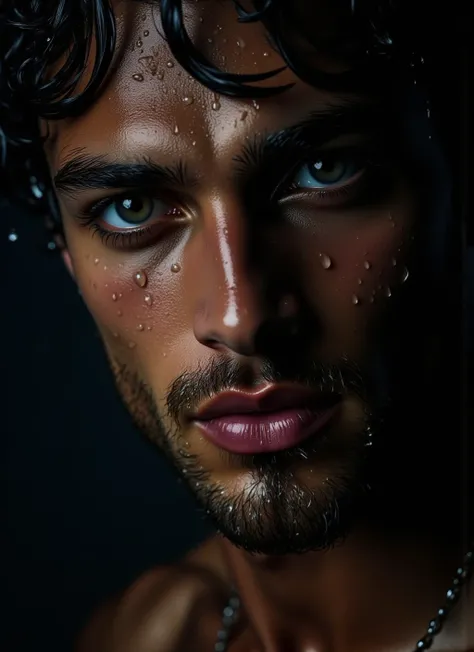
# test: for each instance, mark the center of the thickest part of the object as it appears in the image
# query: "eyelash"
(132, 238)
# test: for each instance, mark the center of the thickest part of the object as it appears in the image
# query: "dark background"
(89, 504)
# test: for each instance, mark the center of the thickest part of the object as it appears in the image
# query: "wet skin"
(239, 259)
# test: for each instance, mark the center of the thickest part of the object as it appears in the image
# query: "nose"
(233, 283)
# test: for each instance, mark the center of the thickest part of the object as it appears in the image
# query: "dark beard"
(277, 513)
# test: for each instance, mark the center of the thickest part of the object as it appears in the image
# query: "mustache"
(191, 388)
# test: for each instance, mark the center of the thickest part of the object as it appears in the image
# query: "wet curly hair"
(35, 34)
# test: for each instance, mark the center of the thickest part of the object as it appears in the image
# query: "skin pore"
(233, 244)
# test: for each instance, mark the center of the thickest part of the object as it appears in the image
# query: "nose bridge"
(231, 301)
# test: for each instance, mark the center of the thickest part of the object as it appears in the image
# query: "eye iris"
(327, 170)
(135, 209)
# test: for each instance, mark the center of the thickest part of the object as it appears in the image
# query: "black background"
(89, 504)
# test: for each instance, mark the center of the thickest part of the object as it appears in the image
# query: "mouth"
(272, 419)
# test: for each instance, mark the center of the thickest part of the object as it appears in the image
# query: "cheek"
(354, 271)
(133, 302)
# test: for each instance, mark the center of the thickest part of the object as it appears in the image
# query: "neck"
(373, 592)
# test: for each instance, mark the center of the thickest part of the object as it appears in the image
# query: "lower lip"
(250, 434)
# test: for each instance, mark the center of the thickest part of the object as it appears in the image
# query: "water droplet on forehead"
(170, 64)
(188, 100)
(326, 262)
(175, 267)
(148, 299)
(140, 279)
(367, 264)
(355, 299)
(13, 236)
(138, 77)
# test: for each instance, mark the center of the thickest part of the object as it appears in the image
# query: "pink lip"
(273, 419)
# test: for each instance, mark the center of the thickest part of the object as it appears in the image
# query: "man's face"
(240, 246)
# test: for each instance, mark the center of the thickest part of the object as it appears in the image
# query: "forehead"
(149, 105)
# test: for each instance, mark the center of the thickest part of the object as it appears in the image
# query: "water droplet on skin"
(164, 355)
(160, 75)
(360, 281)
(114, 297)
(138, 77)
(96, 261)
(148, 299)
(170, 64)
(140, 279)
(175, 267)
(131, 345)
(139, 43)
(146, 33)
(405, 275)
(140, 327)
(13, 236)
(367, 265)
(326, 262)
(216, 106)
(115, 335)
(188, 100)
(388, 292)
(119, 313)
(394, 262)
(355, 299)
(240, 43)
(256, 105)
(176, 130)
(243, 115)
(266, 54)
(105, 268)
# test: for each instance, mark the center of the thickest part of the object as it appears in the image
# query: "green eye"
(132, 210)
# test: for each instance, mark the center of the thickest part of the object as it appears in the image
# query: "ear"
(65, 255)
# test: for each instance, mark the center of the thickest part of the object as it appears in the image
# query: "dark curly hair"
(35, 34)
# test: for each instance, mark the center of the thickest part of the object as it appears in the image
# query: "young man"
(258, 216)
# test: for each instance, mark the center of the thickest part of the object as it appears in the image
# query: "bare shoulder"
(169, 608)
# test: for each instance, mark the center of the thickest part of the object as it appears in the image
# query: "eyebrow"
(87, 172)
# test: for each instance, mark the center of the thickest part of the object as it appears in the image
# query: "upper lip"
(272, 398)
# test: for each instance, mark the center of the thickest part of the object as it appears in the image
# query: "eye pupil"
(135, 204)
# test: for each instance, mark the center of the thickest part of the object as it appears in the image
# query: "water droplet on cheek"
(170, 64)
(146, 33)
(138, 77)
(388, 292)
(140, 327)
(405, 275)
(367, 265)
(326, 262)
(175, 267)
(148, 299)
(114, 297)
(119, 313)
(188, 100)
(96, 261)
(355, 300)
(131, 345)
(215, 106)
(140, 279)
